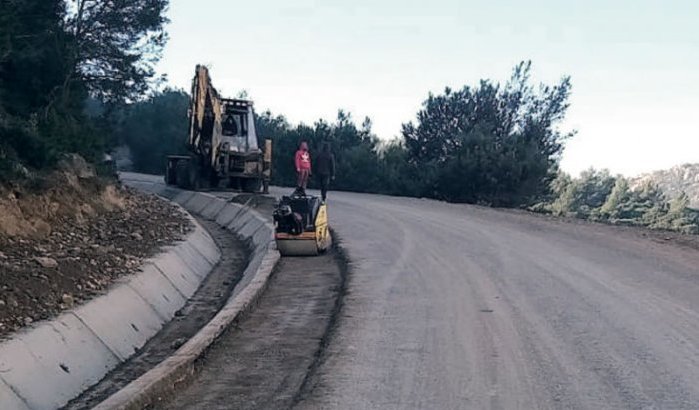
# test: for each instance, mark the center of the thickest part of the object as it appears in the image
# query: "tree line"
(74, 75)
(495, 144)
(597, 195)
(490, 144)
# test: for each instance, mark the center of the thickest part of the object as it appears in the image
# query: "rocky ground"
(74, 256)
(213, 292)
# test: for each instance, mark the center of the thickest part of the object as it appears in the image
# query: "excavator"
(222, 144)
(224, 153)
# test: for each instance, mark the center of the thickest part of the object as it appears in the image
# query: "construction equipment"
(222, 143)
(301, 226)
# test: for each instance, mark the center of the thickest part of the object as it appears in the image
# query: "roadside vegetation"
(153, 128)
(495, 144)
(65, 68)
(77, 77)
(69, 73)
(602, 197)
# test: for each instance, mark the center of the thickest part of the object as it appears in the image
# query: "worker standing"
(325, 169)
(303, 167)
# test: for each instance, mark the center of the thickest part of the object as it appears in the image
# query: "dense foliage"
(153, 129)
(114, 45)
(54, 54)
(674, 182)
(355, 148)
(599, 196)
(73, 74)
(489, 144)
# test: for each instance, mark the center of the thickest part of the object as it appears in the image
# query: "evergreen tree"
(491, 143)
(615, 207)
(53, 55)
(154, 129)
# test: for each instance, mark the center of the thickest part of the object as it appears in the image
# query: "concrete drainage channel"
(204, 304)
(45, 367)
(246, 223)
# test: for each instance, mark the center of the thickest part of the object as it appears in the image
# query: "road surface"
(460, 307)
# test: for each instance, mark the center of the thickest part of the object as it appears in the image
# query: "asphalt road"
(460, 307)
(262, 361)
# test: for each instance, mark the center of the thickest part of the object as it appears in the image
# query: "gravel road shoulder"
(263, 362)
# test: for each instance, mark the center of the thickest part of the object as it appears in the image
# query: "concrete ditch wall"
(240, 220)
(45, 366)
(235, 217)
(49, 364)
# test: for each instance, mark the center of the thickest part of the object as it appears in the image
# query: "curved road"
(455, 307)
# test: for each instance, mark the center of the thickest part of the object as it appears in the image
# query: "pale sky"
(634, 63)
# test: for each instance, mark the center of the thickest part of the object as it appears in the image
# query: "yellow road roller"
(301, 226)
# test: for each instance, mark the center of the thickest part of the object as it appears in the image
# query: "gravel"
(39, 278)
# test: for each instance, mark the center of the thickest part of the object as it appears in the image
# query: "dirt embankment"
(68, 237)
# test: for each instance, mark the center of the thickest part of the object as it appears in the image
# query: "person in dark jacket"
(325, 169)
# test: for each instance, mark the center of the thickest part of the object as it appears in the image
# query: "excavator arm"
(204, 116)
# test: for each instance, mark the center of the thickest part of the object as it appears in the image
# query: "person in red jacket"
(303, 167)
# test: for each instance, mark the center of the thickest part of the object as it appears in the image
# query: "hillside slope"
(675, 180)
(67, 235)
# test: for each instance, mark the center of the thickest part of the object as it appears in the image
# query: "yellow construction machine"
(301, 226)
(222, 142)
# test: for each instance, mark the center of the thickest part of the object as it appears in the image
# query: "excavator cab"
(237, 126)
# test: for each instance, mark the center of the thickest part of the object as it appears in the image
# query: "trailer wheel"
(194, 178)
(171, 173)
(182, 172)
(252, 185)
(214, 182)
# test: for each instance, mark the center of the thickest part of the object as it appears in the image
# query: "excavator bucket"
(301, 226)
